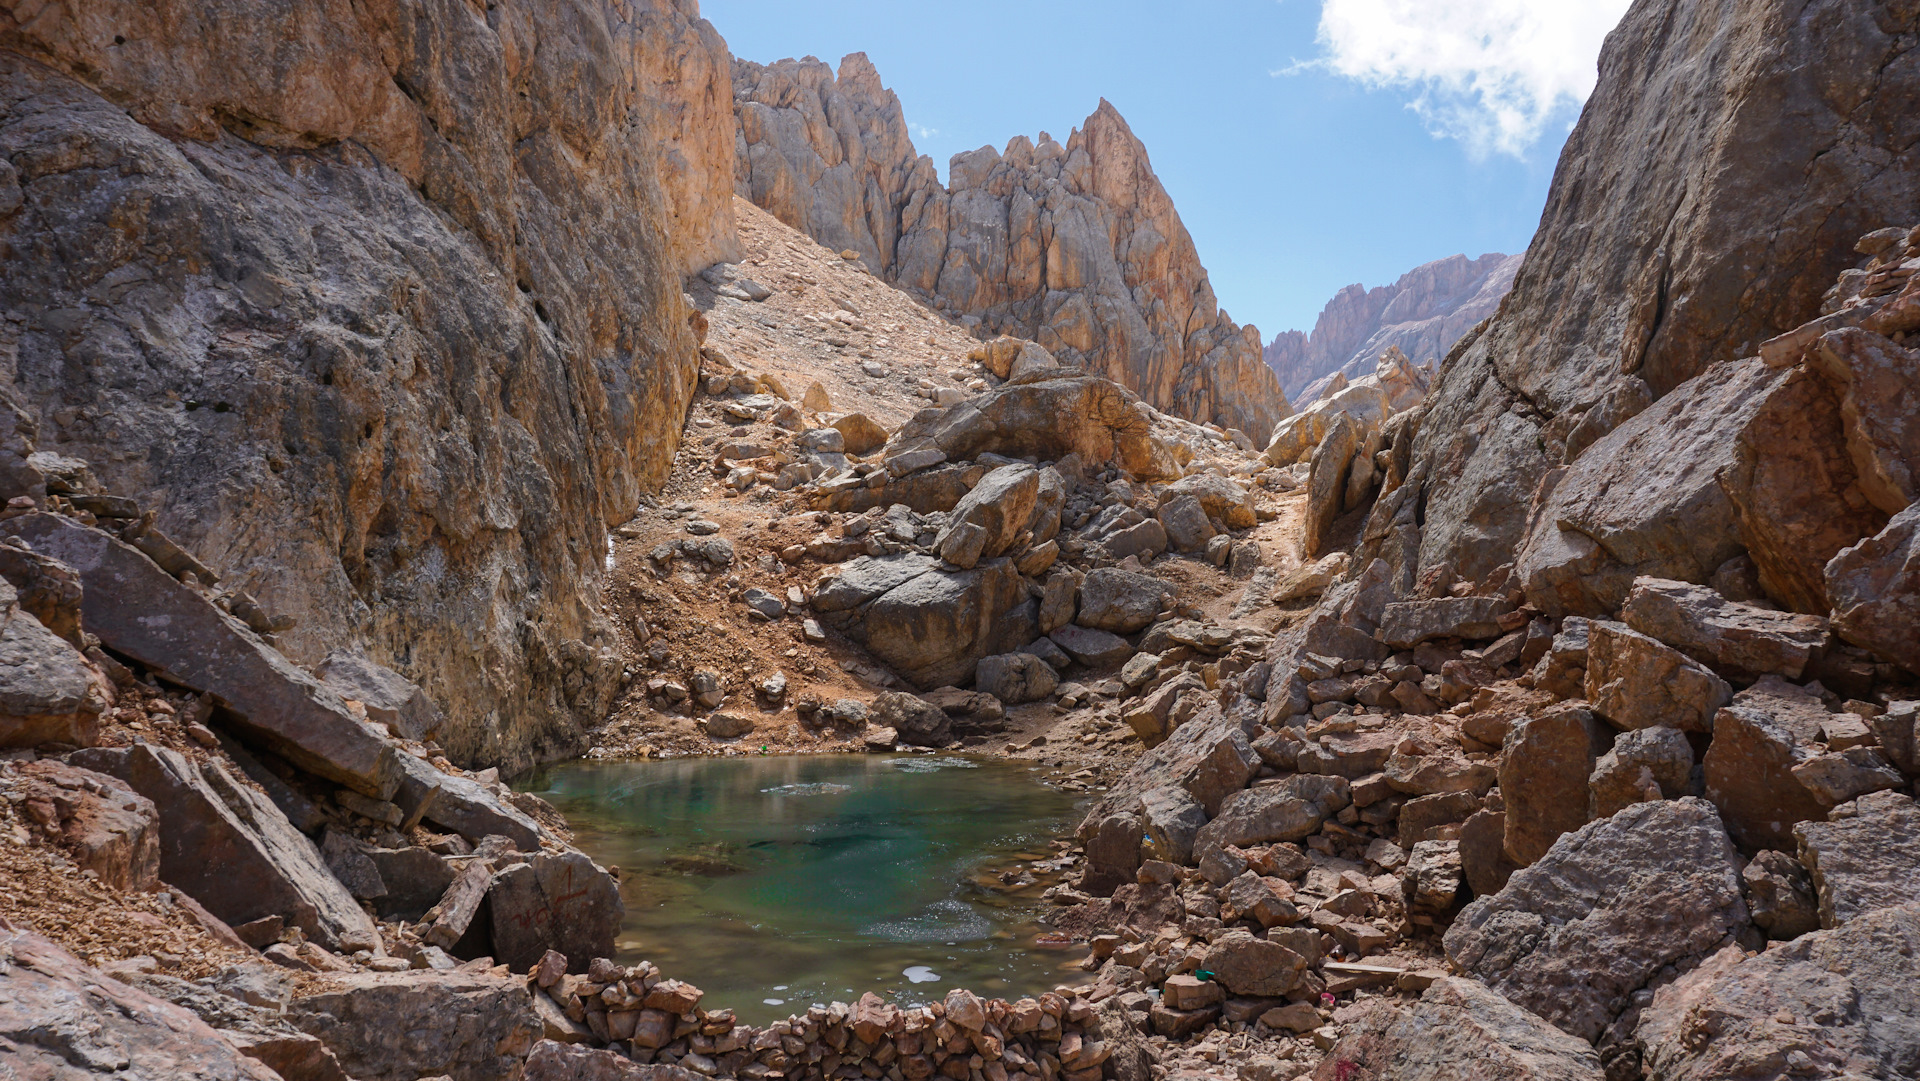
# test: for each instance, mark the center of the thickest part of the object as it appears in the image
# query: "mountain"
(1076, 246)
(1423, 313)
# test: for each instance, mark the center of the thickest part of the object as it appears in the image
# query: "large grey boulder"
(931, 625)
(1180, 761)
(1121, 601)
(1740, 641)
(1014, 678)
(1609, 908)
(1458, 1029)
(463, 805)
(1635, 681)
(1171, 818)
(1408, 623)
(1292, 809)
(141, 611)
(916, 721)
(1644, 764)
(998, 507)
(1867, 861)
(231, 849)
(1835, 1003)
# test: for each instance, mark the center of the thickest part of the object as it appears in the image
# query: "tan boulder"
(1639, 682)
(1048, 420)
(1327, 483)
(1875, 589)
(1739, 640)
(1880, 405)
(861, 435)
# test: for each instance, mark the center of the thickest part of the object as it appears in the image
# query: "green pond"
(776, 882)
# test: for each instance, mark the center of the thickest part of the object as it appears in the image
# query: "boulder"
(48, 589)
(415, 880)
(1047, 420)
(1185, 522)
(999, 507)
(141, 611)
(1172, 819)
(914, 720)
(46, 691)
(1483, 852)
(1229, 763)
(1867, 861)
(1295, 438)
(1408, 623)
(1875, 589)
(1290, 810)
(229, 848)
(1095, 649)
(388, 697)
(1253, 966)
(1544, 766)
(1780, 895)
(1740, 641)
(1221, 499)
(1610, 906)
(1739, 459)
(399, 1026)
(1430, 883)
(1352, 755)
(1637, 682)
(1644, 764)
(859, 433)
(1835, 1003)
(1059, 600)
(1121, 601)
(1758, 742)
(1266, 901)
(1113, 854)
(62, 1019)
(106, 826)
(929, 625)
(554, 901)
(1457, 1029)
(1898, 733)
(1327, 483)
(1014, 678)
(1177, 761)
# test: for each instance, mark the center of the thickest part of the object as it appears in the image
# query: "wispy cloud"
(1490, 73)
(925, 132)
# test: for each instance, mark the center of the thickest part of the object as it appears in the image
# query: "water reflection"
(773, 883)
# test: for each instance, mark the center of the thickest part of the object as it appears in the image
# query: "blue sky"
(1307, 147)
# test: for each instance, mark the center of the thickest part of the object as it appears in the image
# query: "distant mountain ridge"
(1424, 313)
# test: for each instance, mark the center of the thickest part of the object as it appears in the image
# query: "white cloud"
(926, 132)
(1491, 73)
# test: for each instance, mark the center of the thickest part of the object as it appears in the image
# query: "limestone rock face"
(1076, 247)
(1699, 209)
(1840, 1002)
(1576, 935)
(1458, 1028)
(381, 310)
(1422, 314)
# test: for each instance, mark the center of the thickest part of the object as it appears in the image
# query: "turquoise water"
(774, 883)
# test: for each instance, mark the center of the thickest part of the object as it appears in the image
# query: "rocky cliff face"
(1715, 186)
(377, 305)
(1422, 314)
(1075, 246)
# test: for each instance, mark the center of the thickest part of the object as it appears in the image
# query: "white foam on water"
(920, 974)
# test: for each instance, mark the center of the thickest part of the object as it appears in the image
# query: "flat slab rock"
(555, 1061)
(1737, 640)
(141, 611)
(1836, 1003)
(1604, 912)
(1458, 1029)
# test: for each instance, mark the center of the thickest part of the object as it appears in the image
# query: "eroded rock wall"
(1075, 246)
(379, 304)
(1423, 313)
(1714, 188)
